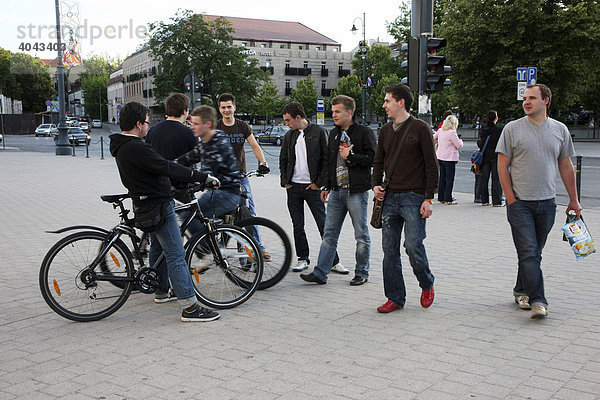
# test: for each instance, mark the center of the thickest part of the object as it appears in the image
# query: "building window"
(263, 45)
(270, 44)
(287, 63)
(324, 47)
(318, 48)
(252, 44)
(288, 84)
(268, 63)
(336, 49)
(244, 44)
(300, 47)
(305, 64)
(323, 84)
(341, 66)
(282, 46)
(323, 64)
(307, 46)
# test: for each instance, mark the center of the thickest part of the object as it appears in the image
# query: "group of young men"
(334, 168)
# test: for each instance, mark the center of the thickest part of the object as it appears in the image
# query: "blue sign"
(54, 109)
(521, 74)
(320, 104)
(48, 103)
(118, 107)
(531, 75)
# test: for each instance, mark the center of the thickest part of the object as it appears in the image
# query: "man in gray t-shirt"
(530, 152)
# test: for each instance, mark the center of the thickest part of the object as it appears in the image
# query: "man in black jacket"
(351, 152)
(145, 174)
(303, 168)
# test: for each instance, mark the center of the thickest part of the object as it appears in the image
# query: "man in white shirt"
(303, 169)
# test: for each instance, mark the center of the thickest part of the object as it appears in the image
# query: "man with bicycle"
(146, 174)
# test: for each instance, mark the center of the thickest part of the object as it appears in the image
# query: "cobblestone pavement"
(296, 340)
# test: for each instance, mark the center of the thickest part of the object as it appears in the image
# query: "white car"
(46, 130)
(96, 123)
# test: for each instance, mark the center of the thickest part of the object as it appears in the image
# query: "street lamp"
(62, 144)
(362, 48)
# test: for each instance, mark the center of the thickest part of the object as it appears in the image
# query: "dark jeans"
(530, 222)
(477, 188)
(490, 167)
(446, 182)
(401, 212)
(296, 196)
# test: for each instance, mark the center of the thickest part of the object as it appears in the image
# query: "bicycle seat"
(114, 198)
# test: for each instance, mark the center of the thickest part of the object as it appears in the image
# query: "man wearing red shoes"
(407, 197)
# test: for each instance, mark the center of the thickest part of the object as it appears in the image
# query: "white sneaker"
(523, 302)
(301, 266)
(538, 311)
(340, 269)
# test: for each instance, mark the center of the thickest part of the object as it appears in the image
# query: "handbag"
(149, 218)
(377, 215)
(477, 157)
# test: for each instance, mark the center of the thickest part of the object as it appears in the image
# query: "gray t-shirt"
(534, 152)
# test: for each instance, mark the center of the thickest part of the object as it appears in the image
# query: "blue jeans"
(296, 196)
(446, 182)
(341, 202)
(167, 239)
(530, 222)
(247, 190)
(214, 203)
(402, 210)
(490, 167)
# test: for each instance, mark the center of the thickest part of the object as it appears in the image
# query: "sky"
(116, 28)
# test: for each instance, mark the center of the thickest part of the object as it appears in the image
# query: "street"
(464, 180)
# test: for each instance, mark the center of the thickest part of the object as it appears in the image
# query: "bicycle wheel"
(277, 245)
(227, 276)
(65, 267)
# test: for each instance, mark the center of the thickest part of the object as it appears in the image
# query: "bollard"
(102, 147)
(73, 144)
(87, 149)
(578, 178)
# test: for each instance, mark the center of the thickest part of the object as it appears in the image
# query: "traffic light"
(436, 66)
(411, 63)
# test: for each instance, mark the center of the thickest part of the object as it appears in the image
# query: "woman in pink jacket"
(447, 154)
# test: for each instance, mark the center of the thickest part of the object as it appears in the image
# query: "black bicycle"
(89, 274)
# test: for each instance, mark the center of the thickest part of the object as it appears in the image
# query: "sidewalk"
(297, 340)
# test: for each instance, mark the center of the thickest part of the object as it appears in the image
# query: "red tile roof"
(276, 31)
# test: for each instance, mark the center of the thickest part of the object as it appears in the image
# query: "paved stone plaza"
(297, 340)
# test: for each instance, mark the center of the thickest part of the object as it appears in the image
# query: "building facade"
(288, 51)
(114, 94)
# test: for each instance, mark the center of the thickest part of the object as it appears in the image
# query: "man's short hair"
(446, 113)
(225, 97)
(347, 101)
(294, 109)
(132, 113)
(176, 104)
(206, 114)
(546, 93)
(399, 92)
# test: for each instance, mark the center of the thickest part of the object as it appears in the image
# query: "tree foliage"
(25, 78)
(305, 93)
(378, 94)
(267, 102)
(489, 39)
(194, 41)
(350, 86)
(93, 84)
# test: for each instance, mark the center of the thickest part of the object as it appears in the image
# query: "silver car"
(46, 130)
(76, 136)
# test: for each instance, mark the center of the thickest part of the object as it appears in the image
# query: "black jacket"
(145, 173)
(360, 160)
(316, 150)
(494, 134)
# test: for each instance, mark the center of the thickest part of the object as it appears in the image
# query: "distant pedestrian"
(303, 170)
(447, 154)
(531, 151)
(407, 198)
(114, 120)
(351, 152)
(489, 165)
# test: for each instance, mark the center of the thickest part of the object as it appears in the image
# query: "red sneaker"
(388, 307)
(427, 297)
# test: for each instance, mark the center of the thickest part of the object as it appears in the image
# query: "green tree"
(400, 27)
(26, 78)
(93, 84)
(306, 94)
(267, 102)
(350, 86)
(194, 41)
(378, 95)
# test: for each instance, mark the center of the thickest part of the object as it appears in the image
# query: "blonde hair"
(450, 123)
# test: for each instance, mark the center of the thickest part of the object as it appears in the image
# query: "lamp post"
(62, 144)
(362, 48)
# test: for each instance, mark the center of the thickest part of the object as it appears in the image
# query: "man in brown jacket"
(407, 197)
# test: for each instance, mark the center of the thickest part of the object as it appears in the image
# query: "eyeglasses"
(146, 122)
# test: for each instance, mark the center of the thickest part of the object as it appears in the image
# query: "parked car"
(96, 123)
(273, 135)
(84, 126)
(76, 135)
(46, 130)
(72, 121)
(1, 137)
